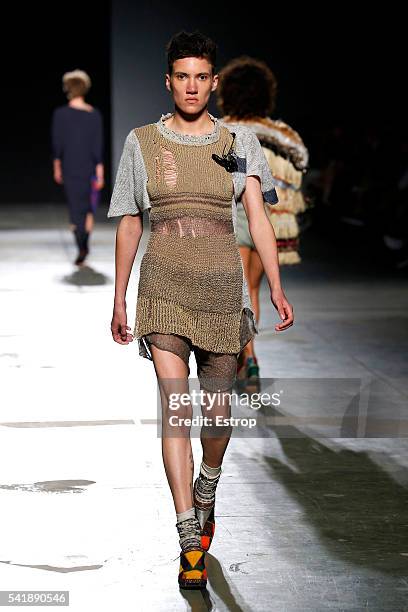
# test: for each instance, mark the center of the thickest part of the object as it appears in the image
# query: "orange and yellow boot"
(192, 571)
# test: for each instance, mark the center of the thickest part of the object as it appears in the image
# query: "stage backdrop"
(140, 31)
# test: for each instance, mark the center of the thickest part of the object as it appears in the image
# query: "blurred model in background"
(77, 144)
(246, 95)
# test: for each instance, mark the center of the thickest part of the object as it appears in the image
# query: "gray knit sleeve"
(257, 165)
(130, 195)
(251, 161)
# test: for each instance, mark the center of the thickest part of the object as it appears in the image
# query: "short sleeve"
(257, 165)
(130, 195)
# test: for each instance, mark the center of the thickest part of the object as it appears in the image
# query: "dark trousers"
(78, 194)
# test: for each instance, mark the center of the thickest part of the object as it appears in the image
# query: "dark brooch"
(228, 160)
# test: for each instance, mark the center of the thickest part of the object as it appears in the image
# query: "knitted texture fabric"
(189, 534)
(191, 275)
(192, 204)
(216, 372)
(130, 195)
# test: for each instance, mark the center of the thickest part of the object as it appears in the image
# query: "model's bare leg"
(215, 439)
(172, 375)
(253, 270)
(245, 253)
(89, 222)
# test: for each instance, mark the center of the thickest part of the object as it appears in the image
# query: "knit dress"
(191, 280)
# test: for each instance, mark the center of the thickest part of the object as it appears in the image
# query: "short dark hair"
(247, 88)
(195, 44)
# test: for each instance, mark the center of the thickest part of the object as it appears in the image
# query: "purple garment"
(95, 195)
(77, 140)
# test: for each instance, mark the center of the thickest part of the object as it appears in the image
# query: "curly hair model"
(247, 88)
(246, 94)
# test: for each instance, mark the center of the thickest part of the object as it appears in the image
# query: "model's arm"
(100, 176)
(56, 145)
(57, 171)
(98, 152)
(128, 234)
(264, 239)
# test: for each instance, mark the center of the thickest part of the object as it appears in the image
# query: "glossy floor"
(312, 503)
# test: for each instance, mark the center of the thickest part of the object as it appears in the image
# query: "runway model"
(77, 143)
(246, 95)
(188, 170)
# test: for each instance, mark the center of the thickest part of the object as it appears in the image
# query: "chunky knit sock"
(189, 530)
(206, 486)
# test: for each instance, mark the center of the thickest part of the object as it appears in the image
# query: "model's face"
(191, 83)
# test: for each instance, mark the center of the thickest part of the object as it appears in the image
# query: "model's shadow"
(201, 600)
(85, 275)
(357, 509)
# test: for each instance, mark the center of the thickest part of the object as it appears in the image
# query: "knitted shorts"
(215, 371)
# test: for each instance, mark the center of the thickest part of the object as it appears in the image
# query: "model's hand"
(284, 309)
(57, 171)
(58, 176)
(99, 177)
(119, 327)
(99, 184)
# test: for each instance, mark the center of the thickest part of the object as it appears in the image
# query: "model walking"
(77, 143)
(287, 156)
(188, 170)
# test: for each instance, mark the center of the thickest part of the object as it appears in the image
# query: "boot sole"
(193, 583)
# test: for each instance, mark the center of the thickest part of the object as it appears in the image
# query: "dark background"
(40, 45)
(333, 67)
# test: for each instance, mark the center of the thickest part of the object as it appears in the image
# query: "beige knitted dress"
(191, 279)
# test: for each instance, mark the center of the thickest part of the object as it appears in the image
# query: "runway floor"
(312, 505)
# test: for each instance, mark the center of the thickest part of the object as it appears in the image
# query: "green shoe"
(252, 380)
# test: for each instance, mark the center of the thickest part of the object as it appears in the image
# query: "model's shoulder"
(144, 130)
(284, 140)
(280, 128)
(139, 140)
(60, 110)
(244, 137)
(137, 133)
(239, 129)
